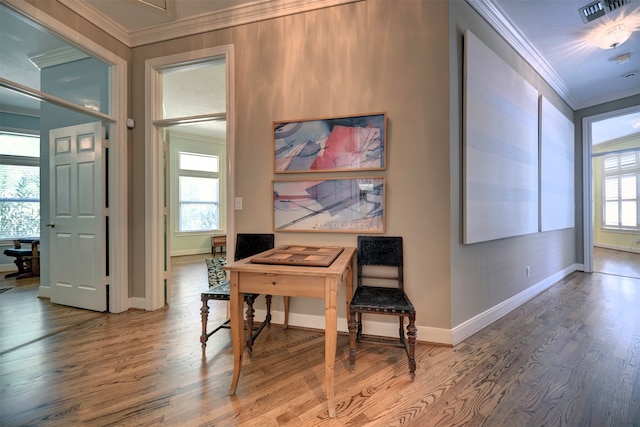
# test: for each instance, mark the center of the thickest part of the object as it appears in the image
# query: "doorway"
(22, 84)
(613, 142)
(189, 98)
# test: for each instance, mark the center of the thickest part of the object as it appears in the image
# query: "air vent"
(599, 8)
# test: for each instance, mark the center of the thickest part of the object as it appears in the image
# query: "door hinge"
(105, 143)
(105, 211)
(105, 280)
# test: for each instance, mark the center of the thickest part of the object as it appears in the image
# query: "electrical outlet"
(637, 240)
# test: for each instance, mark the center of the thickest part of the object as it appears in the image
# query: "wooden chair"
(380, 265)
(246, 245)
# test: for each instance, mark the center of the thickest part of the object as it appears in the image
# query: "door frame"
(157, 250)
(587, 184)
(118, 160)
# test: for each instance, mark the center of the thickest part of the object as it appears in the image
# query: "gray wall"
(488, 273)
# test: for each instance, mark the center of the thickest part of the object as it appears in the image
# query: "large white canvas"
(557, 169)
(500, 148)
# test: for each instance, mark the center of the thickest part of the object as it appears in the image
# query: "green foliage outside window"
(19, 202)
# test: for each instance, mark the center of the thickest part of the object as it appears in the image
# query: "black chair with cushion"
(380, 290)
(246, 245)
(27, 259)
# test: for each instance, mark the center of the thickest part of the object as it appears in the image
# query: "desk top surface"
(336, 268)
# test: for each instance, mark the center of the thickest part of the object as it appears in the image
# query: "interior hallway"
(570, 356)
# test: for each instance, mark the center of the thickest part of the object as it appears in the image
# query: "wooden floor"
(569, 357)
(621, 263)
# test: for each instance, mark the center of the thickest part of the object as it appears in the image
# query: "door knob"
(51, 224)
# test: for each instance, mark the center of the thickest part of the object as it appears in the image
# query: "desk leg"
(330, 340)
(237, 329)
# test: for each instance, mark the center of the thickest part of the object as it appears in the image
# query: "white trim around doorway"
(118, 175)
(156, 256)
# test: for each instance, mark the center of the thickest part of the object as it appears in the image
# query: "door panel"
(77, 229)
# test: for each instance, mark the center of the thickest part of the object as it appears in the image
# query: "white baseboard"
(635, 248)
(482, 320)
(369, 327)
(184, 252)
(44, 291)
(137, 303)
(8, 267)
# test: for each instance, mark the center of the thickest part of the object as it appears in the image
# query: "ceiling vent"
(599, 8)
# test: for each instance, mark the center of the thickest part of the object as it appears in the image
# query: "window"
(621, 186)
(19, 185)
(198, 192)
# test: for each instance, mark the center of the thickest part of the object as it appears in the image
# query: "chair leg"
(204, 314)
(352, 339)
(250, 311)
(412, 333)
(268, 318)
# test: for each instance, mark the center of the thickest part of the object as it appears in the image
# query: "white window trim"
(619, 173)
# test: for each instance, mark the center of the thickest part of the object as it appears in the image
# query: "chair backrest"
(380, 251)
(249, 244)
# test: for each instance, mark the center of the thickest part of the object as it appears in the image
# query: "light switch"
(238, 203)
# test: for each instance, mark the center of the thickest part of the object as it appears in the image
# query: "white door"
(77, 231)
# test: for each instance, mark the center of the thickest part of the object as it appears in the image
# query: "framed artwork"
(500, 146)
(351, 205)
(333, 144)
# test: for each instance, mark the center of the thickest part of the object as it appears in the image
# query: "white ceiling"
(549, 34)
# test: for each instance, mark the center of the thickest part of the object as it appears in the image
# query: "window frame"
(196, 174)
(619, 172)
(28, 161)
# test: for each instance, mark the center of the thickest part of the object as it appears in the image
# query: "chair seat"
(381, 300)
(221, 292)
(19, 253)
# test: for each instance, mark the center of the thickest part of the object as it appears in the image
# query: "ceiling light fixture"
(625, 57)
(613, 36)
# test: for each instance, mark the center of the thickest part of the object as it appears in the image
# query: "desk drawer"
(282, 284)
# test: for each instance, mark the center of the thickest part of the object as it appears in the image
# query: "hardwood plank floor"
(570, 356)
(621, 263)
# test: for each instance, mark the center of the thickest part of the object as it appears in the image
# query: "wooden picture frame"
(350, 143)
(348, 205)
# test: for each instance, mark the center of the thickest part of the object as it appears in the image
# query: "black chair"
(27, 259)
(380, 262)
(246, 245)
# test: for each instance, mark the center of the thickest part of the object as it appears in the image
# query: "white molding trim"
(118, 163)
(635, 248)
(482, 320)
(243, 14)
(58, 56)
(488, 10)
(587, 180)
(137, 303)
(184, 252)
(381, 329)
(106, 24)
(44, 292)
(239, 15)
(8, 267)
(154, 176)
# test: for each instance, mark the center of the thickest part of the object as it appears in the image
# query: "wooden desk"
(298, 281)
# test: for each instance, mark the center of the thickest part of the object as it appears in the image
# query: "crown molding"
(59, 56)
(106, 24)
(239, 15)
(490, 12)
